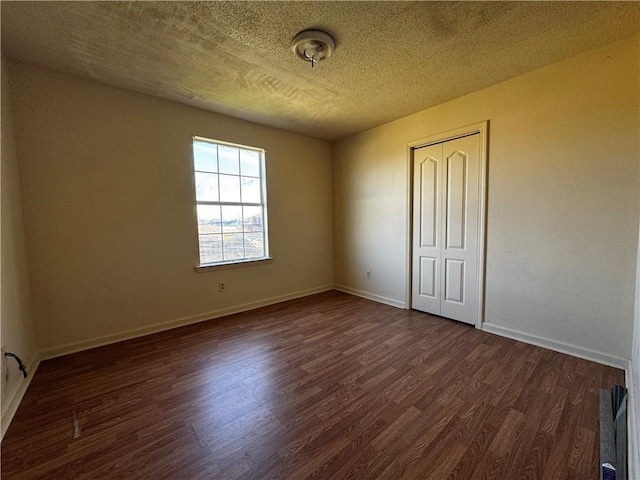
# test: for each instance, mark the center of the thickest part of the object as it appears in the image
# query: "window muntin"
(230, 202)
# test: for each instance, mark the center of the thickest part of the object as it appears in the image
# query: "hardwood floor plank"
(470, 459)
(327, 386)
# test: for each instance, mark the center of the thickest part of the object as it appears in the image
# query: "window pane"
(205, 157)
(250, 190)
(209, 220)
(210, 248)
(231, 219)
(233, 246)
(252, 219)
(254, 245)
(229, 159)
(229, 183)
(250, 163)
(229, 188)
(207, 187)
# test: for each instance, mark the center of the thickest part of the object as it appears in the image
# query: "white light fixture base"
(313, 45)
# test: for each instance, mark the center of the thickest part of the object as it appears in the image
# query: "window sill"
(226, 265)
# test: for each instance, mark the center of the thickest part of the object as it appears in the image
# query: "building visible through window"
(231, 202)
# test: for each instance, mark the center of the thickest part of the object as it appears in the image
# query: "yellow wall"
(109, 211)
(633, 376)
(17, 334)
(562, 219)
(633, 384)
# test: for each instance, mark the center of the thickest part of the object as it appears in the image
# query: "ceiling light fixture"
(313, 45)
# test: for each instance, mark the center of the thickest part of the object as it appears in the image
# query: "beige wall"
(16, 326)
(562, 219)
(633, 378)
(633, 384)
(109, 210)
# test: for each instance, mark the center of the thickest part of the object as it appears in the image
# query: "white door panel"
(428, 202)
(428, 277)
(427, 232)
(456, 199)
(454, 281)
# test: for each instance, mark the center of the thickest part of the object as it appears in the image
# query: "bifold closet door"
(445, 228)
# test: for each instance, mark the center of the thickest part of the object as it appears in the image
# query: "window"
(230, 201)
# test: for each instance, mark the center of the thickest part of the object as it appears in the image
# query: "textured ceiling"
(392, 58)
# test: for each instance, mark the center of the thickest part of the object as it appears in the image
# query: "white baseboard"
(370, 296)
(179, 322)
(10, 407)
(557, 346)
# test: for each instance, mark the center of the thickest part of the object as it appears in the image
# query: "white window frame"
(241, 262)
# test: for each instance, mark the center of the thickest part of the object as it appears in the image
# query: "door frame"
(481, 128)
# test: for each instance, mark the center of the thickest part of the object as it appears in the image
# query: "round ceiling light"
(313, 45)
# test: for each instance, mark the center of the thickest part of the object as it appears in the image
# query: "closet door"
(445, 228)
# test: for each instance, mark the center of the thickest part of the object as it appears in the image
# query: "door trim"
(481, 128)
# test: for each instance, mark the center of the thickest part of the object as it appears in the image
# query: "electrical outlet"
(222, 287)
(368, 273)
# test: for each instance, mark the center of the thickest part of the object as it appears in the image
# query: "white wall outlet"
(368, 273)
(222, 287)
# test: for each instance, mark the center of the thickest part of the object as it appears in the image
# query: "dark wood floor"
(329, 386)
